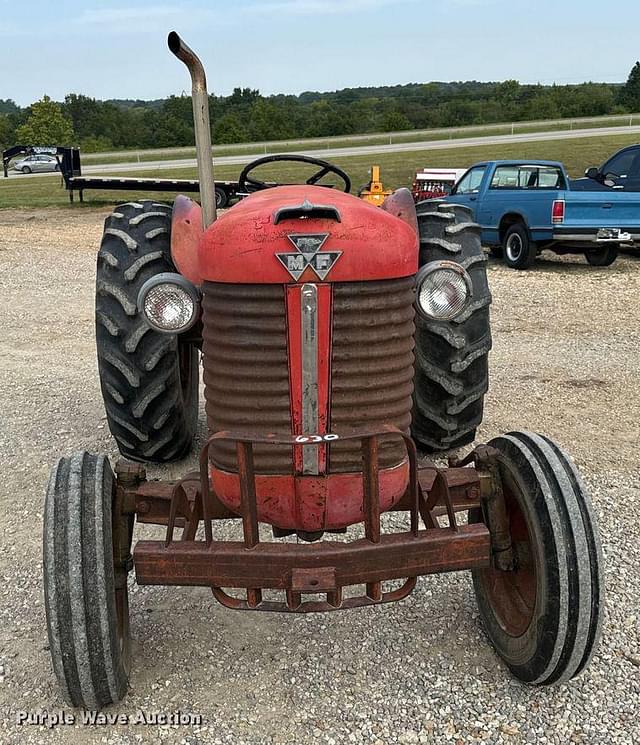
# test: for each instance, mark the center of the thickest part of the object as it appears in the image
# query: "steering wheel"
(325, 168)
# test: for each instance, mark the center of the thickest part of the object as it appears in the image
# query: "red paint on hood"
(241, 246)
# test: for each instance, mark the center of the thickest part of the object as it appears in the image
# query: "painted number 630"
(303, 439)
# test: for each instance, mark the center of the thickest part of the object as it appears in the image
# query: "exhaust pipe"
(200, 101)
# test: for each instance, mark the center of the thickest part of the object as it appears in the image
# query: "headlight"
(443, 290)
(169, 303)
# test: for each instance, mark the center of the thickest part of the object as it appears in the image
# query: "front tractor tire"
(451, 368)
(544, 616)
(149, 380)
(86, 601)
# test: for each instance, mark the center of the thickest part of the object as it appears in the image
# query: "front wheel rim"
(512, 594)
(514, 247)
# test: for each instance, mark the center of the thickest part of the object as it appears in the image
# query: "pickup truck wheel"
(451, 357)
(149, 380)
(519, 250)
(222, 198)
(603, 256)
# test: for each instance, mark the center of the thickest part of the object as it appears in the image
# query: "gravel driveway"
(565, 362)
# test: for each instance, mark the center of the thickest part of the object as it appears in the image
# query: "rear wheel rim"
(514, 247)
(512, 595)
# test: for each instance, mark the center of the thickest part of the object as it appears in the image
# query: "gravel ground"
(565, 362)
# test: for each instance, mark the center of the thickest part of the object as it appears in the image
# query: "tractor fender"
(186, 232)
(400, 204)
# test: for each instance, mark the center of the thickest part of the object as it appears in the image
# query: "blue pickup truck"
(524, 207)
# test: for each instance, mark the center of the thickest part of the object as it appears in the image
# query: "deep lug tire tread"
(139, 367)
(569, 603)
(79, 582)
(451, 369)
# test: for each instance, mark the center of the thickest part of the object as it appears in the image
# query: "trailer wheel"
(519, 250)
(222, 198)
(87, 615)
(149, 380)
(603, 256)
(451, 367)
(544, 618)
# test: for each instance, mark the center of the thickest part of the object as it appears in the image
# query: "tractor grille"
(246, 370)
(371, 367)
(246, 374)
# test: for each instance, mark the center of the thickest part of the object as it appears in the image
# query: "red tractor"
(341, 344)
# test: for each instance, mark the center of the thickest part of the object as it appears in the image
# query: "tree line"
(248, 116)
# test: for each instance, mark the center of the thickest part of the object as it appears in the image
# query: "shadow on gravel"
(547, 264)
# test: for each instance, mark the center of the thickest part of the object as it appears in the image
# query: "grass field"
(397, 169)
(451, 133)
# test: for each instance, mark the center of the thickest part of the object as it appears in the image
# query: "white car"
(36, 164)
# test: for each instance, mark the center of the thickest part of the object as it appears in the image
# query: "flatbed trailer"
(226, 191)
(71, 171)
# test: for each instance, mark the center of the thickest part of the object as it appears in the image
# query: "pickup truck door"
(526, 190)
(468, 188)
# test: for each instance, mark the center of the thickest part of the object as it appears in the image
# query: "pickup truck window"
(527, 177)
(470, 183)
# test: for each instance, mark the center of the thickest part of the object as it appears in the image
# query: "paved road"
(343, 152)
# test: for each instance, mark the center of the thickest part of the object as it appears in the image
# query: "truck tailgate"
(597, 209)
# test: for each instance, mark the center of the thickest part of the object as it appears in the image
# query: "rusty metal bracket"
(487, 465)
(128, 476)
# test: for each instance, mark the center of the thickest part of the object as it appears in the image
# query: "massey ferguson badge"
(309, 254)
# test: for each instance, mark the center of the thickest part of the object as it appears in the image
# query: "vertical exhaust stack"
(200, 100)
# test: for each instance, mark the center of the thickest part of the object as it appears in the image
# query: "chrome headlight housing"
(169, 303)
(443, 290)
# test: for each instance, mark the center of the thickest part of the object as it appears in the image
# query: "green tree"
(5, 132)
(395, 121)
(46, 125)
(630, 93)
(229, 129)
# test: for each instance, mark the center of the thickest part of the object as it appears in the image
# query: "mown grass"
(397, 169)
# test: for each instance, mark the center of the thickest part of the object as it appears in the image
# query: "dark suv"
(621, 172)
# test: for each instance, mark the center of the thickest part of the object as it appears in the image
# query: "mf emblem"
(308, 247)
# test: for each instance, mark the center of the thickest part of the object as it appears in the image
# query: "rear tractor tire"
(544, 617)
(451, 368)
(87, 607)
(149, 379)
(603, 256)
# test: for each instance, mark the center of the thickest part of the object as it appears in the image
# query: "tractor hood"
(291, 234)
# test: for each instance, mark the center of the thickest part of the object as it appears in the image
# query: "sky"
(118, 49)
